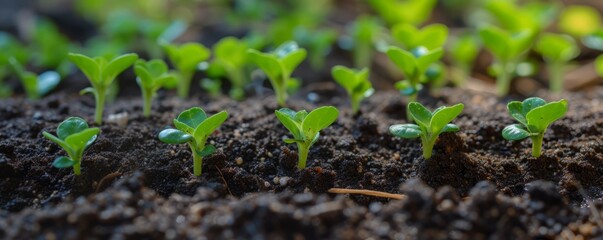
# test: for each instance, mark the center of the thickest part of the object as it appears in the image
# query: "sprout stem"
(99, 97)
(76, 168)
(303, 149)
(427, 146)
(146, 101)
(556, 77)
(184, 84)
(503, 81)
(197, 162)
(537, 144)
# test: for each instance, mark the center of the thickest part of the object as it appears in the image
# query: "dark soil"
(476, 186)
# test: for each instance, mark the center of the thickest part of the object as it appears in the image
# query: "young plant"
(431, 36)
(508, 50)
(534, 115)
(230, 60)
(429, 124)
(414, 66)
(363, 32)
(557, 50)
(462, 53)
(194, 127)
(74, 136)
(35, 86)
(278, 66)
(306, 127)
(151, 77)
(101, 73)
(185, 59)
(355, 82)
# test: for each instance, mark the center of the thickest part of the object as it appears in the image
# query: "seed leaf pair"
(74, 136)
(230, 60)
(429, 124)
(305, 127)
(152, 75)
(278, 66)
(193, 126)
(185, 59)
(35, 85)
(431, 36)
(414, 66)
(355, 82)
(534, 116)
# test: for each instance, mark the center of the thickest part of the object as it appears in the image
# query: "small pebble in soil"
(239, 160)
(120, 119)
(313, 97)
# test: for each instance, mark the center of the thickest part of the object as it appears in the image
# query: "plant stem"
(303, 149)
(147, 97)
(76, 168)
(427, 146)
(99, 97)
(197, 162)
(556, 77)
(184, 84)
(355, 106)
(281, 92)
(537, 144)
(503, 81)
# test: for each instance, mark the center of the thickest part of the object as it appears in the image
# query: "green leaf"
(289, 140)
(292, 60)
(406, 130)
(268, 63)
(557, 47)
(174, 136)
(319, 119)
(58, 141)
(451, 128)
(420, 114)
(497, 41)
(442, 117)
(531, 103)
(403, 59)
(516, 110)
(47, 81)
(89, 90)
(88, 66)
(406, 88)
(232, 50)
(82, 139)
(63, 162)
(464, 49)
(287, 118)
(70, 126)
(116, 66)
(190, 119)
(424, 61)
(186, 57)
(209, 125)
(515, 132)
(208, 150)
(541, 117)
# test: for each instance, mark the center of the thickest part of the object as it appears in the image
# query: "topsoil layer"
(476, 186)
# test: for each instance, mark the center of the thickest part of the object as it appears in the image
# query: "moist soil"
(476, 186)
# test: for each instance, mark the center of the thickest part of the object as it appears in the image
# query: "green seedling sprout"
(230, 60)
(557, 50)
(431, 36)
(429, 124)
(534, 115)
(35, 86)
(278, 66)
(405, 11)
(186, 59)
(414, 65)
(355, 83)
(508, 50)
(74, 136)
(462, 53)
(101, 73)
(318, 42)
(152, 75)
(363, 32)
(194, 127)
(534, 16)
(305, 127)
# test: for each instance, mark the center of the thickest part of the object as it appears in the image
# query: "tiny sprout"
(186, 59)
(431, 36)
(35, 86)
(101, 73)
(306, 127)
(429, 124)
(462, 52)
(557, 50)
(414, 65)
(356, 83)
(152, 75)
(363, 32)
(278, 66)
(74, 136)
(194, 127)
(535, 116)
(508, 50)
(230, 60)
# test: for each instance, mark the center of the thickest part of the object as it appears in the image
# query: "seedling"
(406, 11)
(35, 86)
(306, 127)
(508, 50)
(431, 36)
(355, 82)
(101, 73)
(414, 66)
(557, 50)
(194, 127)
(278, 66)
(152, 75)
(364, 32)
(462, 52)
(429, 124)
(534, 16)
(74, 136)
(534, 115)
(230, 60)
(185, 59)
(318, 42)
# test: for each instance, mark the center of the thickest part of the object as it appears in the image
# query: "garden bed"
(135, 186)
